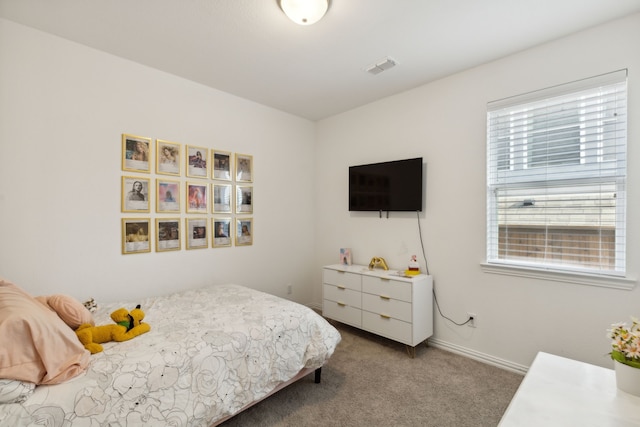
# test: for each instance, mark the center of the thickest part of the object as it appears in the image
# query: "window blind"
(556, 177)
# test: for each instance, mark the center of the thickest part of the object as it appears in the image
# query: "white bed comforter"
(210, 352)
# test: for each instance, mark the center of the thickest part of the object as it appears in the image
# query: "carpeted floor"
(371, 381)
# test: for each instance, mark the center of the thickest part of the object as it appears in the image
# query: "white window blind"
(556, 177)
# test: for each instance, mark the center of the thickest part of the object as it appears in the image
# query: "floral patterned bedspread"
(210, 352)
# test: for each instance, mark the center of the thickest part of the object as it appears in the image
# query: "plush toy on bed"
(90, 305)
(128, 325)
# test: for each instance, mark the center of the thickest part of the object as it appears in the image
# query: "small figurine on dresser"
(413, 268)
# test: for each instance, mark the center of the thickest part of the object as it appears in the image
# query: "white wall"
(445, 122)
(63, 108)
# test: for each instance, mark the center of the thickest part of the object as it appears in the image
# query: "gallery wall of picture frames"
(202, 197)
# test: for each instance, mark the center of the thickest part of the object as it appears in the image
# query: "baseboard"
(463, 351)
(476, 355)
(316, 307)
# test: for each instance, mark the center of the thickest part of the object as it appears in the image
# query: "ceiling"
(249, 48)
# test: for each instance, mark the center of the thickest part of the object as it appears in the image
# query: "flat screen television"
(386, 186)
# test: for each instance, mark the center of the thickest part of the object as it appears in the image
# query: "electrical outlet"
(289, 289)
(473, 319)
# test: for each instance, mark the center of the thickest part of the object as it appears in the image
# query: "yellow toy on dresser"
(414, 268)
(128, 325)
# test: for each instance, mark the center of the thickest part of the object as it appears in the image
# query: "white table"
(562, 392)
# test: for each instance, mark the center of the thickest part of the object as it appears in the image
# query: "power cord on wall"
(435, 298)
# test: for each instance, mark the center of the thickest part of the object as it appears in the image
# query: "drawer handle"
(341, 304)
(386, 279)
(342, 288)
(384, 316)
(384, 297)
(341, 271)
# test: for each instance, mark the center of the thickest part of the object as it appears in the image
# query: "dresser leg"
(411, 351)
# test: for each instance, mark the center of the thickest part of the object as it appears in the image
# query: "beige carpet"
(371, 381)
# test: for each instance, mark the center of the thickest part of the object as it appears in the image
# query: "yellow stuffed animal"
(128, 325)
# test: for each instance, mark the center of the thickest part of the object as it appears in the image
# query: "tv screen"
(387, 186)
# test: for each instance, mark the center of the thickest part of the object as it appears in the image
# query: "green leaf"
(618, 356)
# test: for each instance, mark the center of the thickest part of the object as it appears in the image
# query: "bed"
(210, 353)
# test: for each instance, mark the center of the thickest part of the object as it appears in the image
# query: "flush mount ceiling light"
(304, 12)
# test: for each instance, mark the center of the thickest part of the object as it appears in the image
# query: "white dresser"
(379, 301)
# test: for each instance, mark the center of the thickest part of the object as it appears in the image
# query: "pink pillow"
(43, 349)
(70, 310)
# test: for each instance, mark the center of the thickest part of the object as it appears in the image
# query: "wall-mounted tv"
(386, 186)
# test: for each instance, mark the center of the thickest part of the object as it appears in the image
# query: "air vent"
(381, 66)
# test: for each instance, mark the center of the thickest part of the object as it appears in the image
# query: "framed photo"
(136, 153)
(167, 196)
(197, 235)
(221, 232)
(135, 194)
(244, 199)
(197, 198)
(167, 157)
(221, 198)
(244, 231)
(197, 162)
(135, 235)
(221, 161)
(167, 234)
(345, 256)
(244, 168)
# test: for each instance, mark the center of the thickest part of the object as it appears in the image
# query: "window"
(556, 177)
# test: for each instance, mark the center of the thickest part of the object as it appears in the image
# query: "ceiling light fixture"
(304, 12)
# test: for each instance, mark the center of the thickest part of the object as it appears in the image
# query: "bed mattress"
(210, 352)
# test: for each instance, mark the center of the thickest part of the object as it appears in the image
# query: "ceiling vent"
(381, 66)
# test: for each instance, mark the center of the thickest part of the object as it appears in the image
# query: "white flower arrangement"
(625, 343)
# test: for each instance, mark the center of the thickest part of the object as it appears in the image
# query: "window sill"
(623, 283)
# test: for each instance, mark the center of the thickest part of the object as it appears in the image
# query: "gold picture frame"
(221, 165)
(168, 234)
(135, 194)
(244, 168)
(197, 197)
(197, 161)
(244, 231)
(167, 196)
(222, 196)
(135, 235)
(197, 233)
(168, 158)
(244, 199)
(222, 232)
(136, 153)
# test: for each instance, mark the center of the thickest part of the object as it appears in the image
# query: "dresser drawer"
(387, 327)
(397, 309)
(343, 279)
(342, 295)
(395, 289)
(342, 313)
